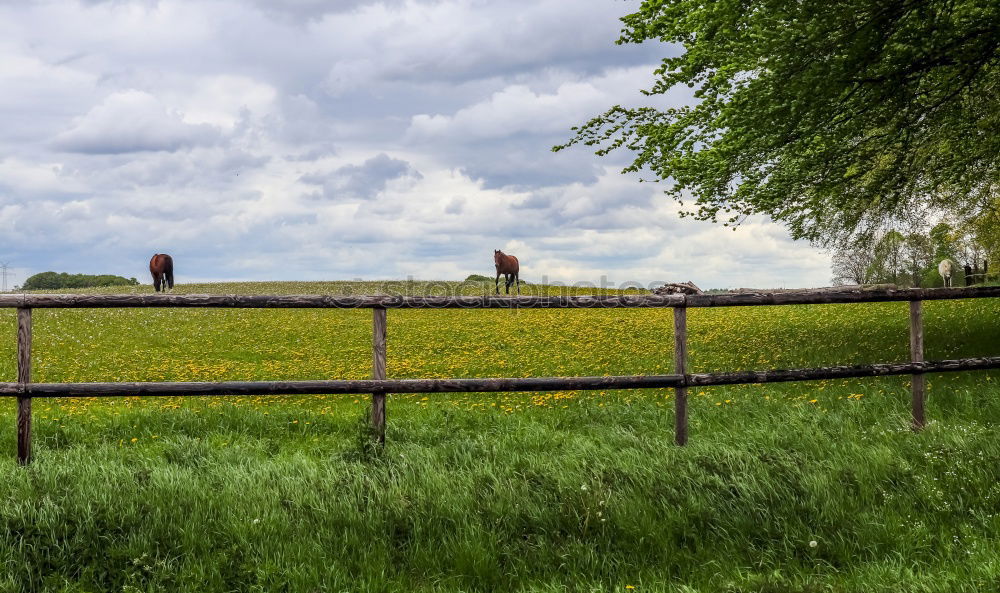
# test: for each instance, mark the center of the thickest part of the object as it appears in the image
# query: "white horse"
(945, 268)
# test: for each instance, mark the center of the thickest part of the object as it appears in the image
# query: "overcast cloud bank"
(316, 140)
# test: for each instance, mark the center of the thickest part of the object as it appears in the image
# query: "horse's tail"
(168, 270)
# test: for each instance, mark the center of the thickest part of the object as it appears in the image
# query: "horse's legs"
(156, 282)
(506, 283)
(498, 282)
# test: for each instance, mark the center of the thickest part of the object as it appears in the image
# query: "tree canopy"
(49, 280)
(835, 117)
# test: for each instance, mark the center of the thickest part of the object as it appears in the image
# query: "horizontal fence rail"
(379, 386)
(611, 301)
(489, 385)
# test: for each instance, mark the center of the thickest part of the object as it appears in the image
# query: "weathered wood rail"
(379, 386)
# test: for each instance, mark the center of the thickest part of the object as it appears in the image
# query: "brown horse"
(508, 266)
(161, 266)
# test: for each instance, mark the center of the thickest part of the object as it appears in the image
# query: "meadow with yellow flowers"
(787, 487)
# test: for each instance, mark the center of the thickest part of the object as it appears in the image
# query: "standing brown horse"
(508, 266)
(161, 266)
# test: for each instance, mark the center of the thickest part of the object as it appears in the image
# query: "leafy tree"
(944, 242)
(918, 257)
(478, 278)
(986, 225)
(889, 259)
(52, 280)
(834, 117)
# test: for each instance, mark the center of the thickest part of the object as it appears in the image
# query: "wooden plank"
(360, 386)
(337, 302)
(348, 386)
(805, 297)
(378, 373)
(822, 297)
(917, 385)
(680, 368)
(24, 378)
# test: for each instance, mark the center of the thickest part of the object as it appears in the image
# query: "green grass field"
(789, 487)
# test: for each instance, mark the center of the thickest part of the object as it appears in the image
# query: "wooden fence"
(24, 389)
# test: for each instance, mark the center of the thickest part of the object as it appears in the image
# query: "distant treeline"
(481, 278)
(47, 280)
(910, 259)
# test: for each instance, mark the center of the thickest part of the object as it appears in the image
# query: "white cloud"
(35, 178)
(517, 109)
(220, 100)
(29, 81)
(133, 121)
(464, 39)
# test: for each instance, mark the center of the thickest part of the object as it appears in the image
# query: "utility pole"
(4, 267)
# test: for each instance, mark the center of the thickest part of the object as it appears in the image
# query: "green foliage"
(478, 278)
(833, 117)
(943, 242)
(52, 280)
(985, 226)
(932, 279)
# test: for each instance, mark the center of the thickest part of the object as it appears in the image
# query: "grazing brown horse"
(508, 266)
(161, 266)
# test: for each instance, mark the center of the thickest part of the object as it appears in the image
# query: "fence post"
(680, 368)
(917, 355)
(23, 377)
(378, 372)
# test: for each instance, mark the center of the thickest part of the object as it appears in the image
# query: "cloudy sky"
(312, 140)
